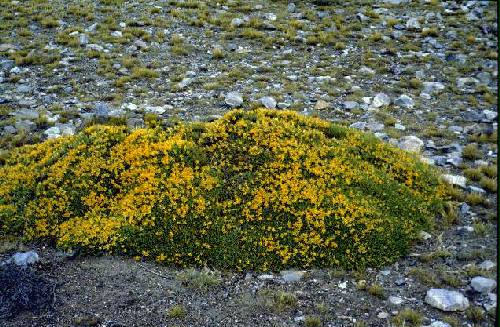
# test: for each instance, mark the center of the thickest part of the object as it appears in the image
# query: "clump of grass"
(171, 195)
(218, 53)
(199, 279)
(475, 199)
(475, 313)
(376, 290)
(490, 171)
(339, 46)
(143, 72)
(416, 83)
(473, 174)
(480, 228)
(471, 151)
(312, 321)
(49, 22)
(177, 312)
(279, 301)
(430, 32)
(489, 184)
(426, 277)
(408, 317)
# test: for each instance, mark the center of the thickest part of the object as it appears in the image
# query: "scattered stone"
(381, 99)
(26, 114)
(265, 277)
(342, 285)
(268, 102)
(432, 87)
(321, 105)
(292, 276)
(383, 315)
(439, 323)
(455, 180)
(116, 34)
(412, 24)
(349, 105)
(83, 39)
(25, 258)
(411, 143)
(395, 300)
(233, 99)
(404, 101)
(400, 127)
(291, 7)
(26, 125)
(483, 285)
(487, 265)
(446, 300)
(237, 22)
(424, 236)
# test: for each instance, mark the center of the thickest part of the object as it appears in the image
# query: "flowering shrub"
(255, 189)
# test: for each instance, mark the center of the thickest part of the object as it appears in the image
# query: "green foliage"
(256, 189)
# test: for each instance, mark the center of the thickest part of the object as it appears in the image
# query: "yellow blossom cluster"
(256, 189)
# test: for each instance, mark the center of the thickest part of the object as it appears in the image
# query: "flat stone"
(26, 114)
(350, 105)
(412, 24)
(446, 300)
(25, 258)
(487, 265)
(455, 180)
(381, 99)
(233, 99)
(291, 276)
(268, 102)
(404, 101)
(432, 87)
(410, 143)
(483, 285)
(395, 300)
(321, 105)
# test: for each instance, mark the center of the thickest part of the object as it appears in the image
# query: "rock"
(4, 47)
(423, 235)
(374, 126)
(487, 265)
(475, 189)
(186, 81)
(411, 143)
(24, 88)
(432, 87)
(135, 123)
(140, 44)
(268, 102)
(395, 300)
(116, 34)
(233, 99)
(383, 315)
(95, 47)
(404, 101)
(358, 125)
(290, 276)
(7, 64)
(446, 300)
(455, 180)
(265, 277)
(412, 24)
(483, 285)
(465, 83)
(395, 2)
(26, 114)
(321, 105)
(26, 125)
(291, 7)
(237, 22)
(349, 105)
(9, 129)
(25, 258)
(381, 99)
(342, 285)
(399, 127)
(366, 71)
(83, 39)
(101, 110)
(439, 323)
(362, 17)
(490, 115)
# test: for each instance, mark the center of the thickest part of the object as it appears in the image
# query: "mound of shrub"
(255, 189)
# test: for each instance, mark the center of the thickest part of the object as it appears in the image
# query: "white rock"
(439, 323)
(383, 315)
(233, 99)
(412, 24)
(381, 99)
(395, 300)
(237, 22)
(25, 258)
(446, 300)
(116, 34)
(268, 102)
(291, 276)
(424, 235)
(455, 180)
(411, 143)
(343, 285)
(265, 277)
(404, 101)
(487, 265)
(483, 285)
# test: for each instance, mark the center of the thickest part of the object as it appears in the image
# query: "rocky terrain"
(422, 75)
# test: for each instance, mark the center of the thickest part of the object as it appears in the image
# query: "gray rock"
(291, 276)
(366, 71)
(487, 265)
(411, 143)
(101, 110)
(475, 189)
(395, 2)
(412, 24)
(483, 285)
(490, 115)
(374, 126)
(484, 78)
(381, 99)
(432, 87)
(135, 123)
(362, 17)
(26, 125)
(24, 88)
(7, 64)
(439, 323)
(395, 300)
(446, 300)
(455, 180)
(423, 235)
(382, 315)
(83, 39)
(268, 102)
(186, 81)
(349, 105)
(26, 114)
(25, 258)
(237, 22)
(399, 127)
(291, 7)
(404, 101)
(466, 83)
(233, 99)
(116, 34)
(358, 125)
(265, 277)
(9, 129)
